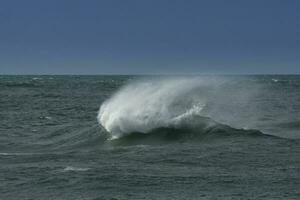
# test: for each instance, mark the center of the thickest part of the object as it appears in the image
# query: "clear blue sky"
(149, 36)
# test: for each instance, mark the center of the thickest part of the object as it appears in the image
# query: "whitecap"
(15, 154)
(70, 168)
(36, 78)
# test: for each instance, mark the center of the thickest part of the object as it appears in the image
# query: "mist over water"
(145, 105)
(148, 104)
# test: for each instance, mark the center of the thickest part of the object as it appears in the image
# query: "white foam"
(70, 168)
(145, 105)
(37, 78)
(16, 154)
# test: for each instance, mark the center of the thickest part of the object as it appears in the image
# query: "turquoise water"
(226, 137)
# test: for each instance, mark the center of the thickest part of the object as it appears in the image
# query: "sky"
(149, 37)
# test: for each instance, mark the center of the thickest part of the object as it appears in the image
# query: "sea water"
(150, 137)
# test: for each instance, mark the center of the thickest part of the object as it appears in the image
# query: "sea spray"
(142, 106)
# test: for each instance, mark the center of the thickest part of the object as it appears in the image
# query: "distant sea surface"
(149, 137)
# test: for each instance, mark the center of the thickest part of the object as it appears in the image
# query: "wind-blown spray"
(145, 105)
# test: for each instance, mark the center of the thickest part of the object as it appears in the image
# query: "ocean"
(149, 137)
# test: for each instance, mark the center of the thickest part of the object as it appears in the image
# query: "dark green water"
(52, 147)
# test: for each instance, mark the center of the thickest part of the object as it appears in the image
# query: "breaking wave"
(164, 108)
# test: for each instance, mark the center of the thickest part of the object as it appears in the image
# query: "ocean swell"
(162, 108)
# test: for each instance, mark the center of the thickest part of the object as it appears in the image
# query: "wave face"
(174, 107)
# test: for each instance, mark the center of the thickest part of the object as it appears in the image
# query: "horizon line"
(156, 74)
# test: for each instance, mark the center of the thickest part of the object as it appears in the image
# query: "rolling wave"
(205, 130)
(165, 110)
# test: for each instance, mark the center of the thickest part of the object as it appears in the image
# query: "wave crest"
(165, 108)
(144, 106)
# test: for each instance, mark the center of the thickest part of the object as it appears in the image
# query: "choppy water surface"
(133, 137)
